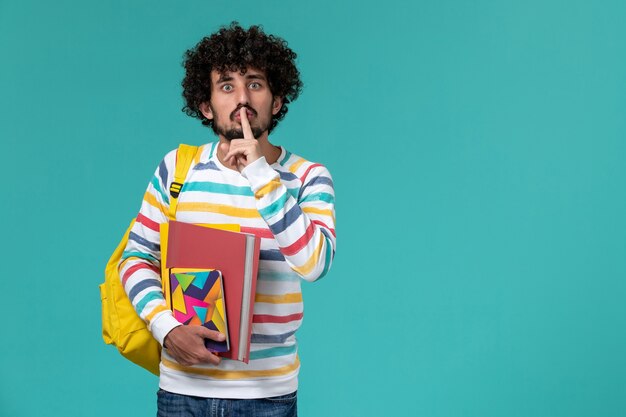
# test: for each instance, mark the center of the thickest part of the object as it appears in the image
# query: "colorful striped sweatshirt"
(290, 205)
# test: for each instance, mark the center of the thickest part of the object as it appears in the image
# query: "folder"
(233, 253)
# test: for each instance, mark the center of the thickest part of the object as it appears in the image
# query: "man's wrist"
(162, 325)
(165, 339)
(259, 173)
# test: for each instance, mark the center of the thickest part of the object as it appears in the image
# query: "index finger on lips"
(245, 124)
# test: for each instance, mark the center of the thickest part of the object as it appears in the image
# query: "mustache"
(232, 115)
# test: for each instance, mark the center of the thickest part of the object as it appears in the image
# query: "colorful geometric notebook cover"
(197, 298)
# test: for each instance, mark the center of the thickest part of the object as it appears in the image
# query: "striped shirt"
(290, 205)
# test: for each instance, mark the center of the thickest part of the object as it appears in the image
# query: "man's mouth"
(236, 115)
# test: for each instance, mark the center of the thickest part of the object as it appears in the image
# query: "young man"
(239, 82)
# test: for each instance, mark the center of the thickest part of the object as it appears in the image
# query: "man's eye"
(227, 87)
(255, 86)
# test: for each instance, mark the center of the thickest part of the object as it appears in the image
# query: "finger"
(232, 153)
(211, 334)
(203, 355)
(242, 162)
(245, 124)
(236, 150)
(213, 359)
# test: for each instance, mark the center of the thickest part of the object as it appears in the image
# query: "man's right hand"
(186, 345)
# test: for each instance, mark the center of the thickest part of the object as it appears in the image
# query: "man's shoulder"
(299, 166)
(204, 153)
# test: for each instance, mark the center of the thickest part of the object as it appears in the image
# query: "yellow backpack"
(121, 326)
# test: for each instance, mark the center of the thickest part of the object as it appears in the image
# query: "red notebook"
(237, 256)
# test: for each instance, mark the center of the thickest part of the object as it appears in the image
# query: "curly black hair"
(234, 48)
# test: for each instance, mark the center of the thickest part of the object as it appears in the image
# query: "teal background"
(478, 152)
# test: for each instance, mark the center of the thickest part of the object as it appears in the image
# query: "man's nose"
(243, 96)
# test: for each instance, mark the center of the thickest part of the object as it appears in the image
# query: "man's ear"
(205, 108)
(277, 104)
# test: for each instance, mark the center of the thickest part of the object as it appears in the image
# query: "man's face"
(230, 91)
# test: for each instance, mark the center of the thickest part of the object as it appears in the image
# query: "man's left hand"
(246, 150)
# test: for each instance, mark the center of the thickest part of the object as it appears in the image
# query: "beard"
(234, 132)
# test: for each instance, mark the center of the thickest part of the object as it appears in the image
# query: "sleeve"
(304, 227)
(140, 265)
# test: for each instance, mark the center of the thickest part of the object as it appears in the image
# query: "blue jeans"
(176, 405)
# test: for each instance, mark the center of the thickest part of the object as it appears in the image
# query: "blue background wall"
(478, 151)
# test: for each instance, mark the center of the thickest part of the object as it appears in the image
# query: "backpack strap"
(184, 157)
